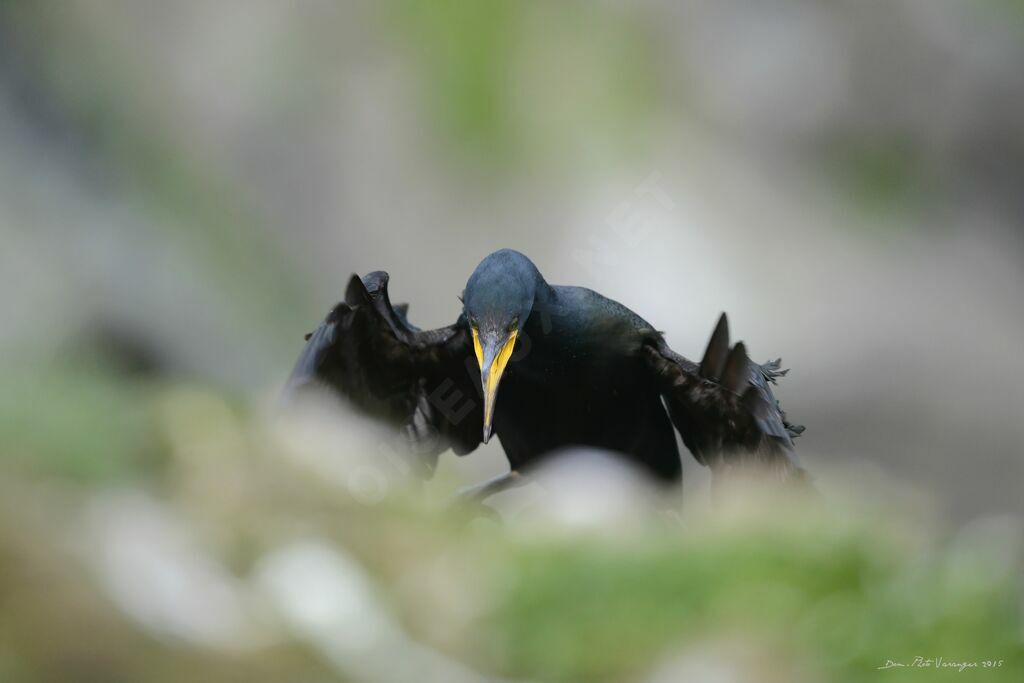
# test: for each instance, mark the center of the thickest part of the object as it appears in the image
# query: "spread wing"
(723, 407)
(419, 381)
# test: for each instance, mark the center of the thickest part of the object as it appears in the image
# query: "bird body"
(574, 368)
(579, 382)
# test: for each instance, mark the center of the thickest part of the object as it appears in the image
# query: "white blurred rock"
(586, 489)
(152, 567)
(328, 600)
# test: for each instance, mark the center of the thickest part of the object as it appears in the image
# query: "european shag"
(574, 368)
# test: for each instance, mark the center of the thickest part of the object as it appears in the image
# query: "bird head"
(497, 302)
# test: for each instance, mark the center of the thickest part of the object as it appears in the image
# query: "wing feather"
(724, 408)
(418, 381)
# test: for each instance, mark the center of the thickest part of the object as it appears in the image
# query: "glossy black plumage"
(584, 371)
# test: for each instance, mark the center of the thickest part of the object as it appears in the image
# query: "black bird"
(574, 368)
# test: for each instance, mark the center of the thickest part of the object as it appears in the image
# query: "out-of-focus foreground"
(185, 188)
(292, 549)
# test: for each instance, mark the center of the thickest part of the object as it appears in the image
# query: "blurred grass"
(815, 594)
(484, 67)
(842, 598)
(74, 419)
(881, 177)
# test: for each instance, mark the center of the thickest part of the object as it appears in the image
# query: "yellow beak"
(492, 357)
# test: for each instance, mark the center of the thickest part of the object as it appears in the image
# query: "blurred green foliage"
(505, 88)
(775, 589)
(74, 419)
(881, 177)
(1013, 10)
(840, 599)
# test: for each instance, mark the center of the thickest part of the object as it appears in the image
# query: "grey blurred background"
(186, 187)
